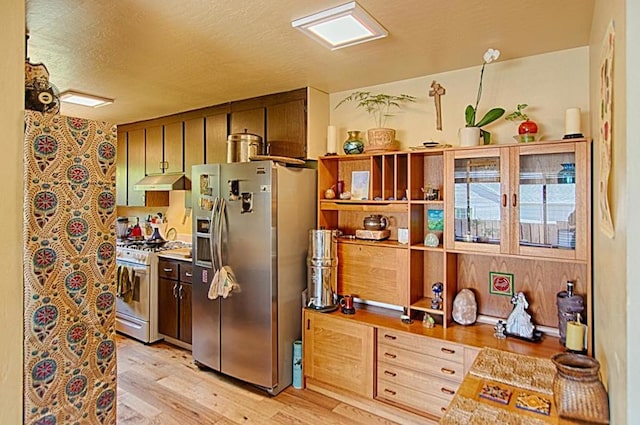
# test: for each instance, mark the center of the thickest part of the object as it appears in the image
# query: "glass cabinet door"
(549, 204)
(478, 202)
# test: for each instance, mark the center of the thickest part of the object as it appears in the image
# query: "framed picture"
(501, 283)
(359, 185)
(435, 220)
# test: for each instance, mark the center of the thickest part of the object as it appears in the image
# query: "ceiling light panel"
(341, 26)
(83, 99)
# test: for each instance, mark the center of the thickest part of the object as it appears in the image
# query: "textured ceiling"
(158, 57)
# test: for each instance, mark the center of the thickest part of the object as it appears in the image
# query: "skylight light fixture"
(83, 99)
(341, 26)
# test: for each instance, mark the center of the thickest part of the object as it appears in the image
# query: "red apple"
(527, 127)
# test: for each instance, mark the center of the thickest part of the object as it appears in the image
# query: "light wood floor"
(159, 384)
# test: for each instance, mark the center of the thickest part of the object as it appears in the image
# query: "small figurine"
(519, 321)
(436, 301)
(499, 328)
(428, 321)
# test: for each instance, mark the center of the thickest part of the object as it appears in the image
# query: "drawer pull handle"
(443, 409)
(386, 390)
(448, 371)
(386, 372)
(448, 350)
(504, 200)
(447, 391)
(391, 337)
(167, 270)
(391, 356)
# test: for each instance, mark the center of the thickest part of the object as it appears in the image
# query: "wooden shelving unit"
(397, 182)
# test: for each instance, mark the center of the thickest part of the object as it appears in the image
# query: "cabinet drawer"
(168, 269)
(186, 272)
(446, 369)
(411, 398)
(425, 383)
(424, 345)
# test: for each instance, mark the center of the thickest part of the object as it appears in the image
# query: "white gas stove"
(138, 317)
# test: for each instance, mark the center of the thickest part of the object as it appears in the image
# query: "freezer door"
(205, 345)
(248, 316)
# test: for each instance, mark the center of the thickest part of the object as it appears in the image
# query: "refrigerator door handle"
(212, 225)
(221, 218)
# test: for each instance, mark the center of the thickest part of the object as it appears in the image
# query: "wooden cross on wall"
(436, 92)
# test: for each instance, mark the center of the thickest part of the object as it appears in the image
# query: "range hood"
(163, 182)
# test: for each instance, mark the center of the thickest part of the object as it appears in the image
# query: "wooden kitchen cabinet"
(164, 148)
(174, 300)
(510, 200)
(339, 353)
(121, 169)
(286, 128)
(135, 167)
(418, 373)
(216, 131)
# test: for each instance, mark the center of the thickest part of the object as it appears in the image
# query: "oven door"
(139, 307)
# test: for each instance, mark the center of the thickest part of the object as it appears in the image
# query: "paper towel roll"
(572, 121)
(332, 139)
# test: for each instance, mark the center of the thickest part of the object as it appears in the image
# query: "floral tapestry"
(69, 271)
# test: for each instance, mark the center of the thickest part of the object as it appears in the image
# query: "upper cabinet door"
(286, 129)
(550, 201)
(193, 144)
(153, 150)
(121, 169)
(173, 148)
(251, 120)
(216, 136)
(135, 170)
(477, 207)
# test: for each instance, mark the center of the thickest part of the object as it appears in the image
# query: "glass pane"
(477, 200)
(547, 200)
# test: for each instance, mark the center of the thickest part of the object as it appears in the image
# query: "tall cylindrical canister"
(569, 306)
(297, 364)
(322, 269)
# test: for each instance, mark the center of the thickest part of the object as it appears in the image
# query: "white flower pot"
(469, 136)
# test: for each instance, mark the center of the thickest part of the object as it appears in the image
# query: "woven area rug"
(465, 411)
(531, 373)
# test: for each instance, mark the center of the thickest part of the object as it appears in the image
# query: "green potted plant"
(527, 130)
(379, 106)
(472, 136)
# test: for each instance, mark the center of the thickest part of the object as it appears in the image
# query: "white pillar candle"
(572, 121)
(576, 332)
(332, 138)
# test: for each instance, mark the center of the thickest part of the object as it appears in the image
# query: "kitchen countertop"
(182, 254)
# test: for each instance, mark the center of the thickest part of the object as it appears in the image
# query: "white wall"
(612, 307)
(633, 175)
(12, 21)
(548, 83)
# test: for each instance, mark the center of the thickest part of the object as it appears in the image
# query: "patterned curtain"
(69, 271)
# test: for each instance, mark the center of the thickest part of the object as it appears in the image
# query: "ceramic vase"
(469, 136)
(568, 173)
(354, 144)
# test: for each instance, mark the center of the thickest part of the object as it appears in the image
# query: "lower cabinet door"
(185, 312)
(168, 307)
(339, 352)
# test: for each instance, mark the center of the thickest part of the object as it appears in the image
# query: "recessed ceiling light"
(83, 99)
(341, 26)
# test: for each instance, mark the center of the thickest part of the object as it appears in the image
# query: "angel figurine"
(519, 321)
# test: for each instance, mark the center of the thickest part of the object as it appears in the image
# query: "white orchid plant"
(470, 112)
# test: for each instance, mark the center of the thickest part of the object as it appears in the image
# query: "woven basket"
(578, 391)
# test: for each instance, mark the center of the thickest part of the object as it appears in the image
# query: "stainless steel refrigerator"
(253, 217)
